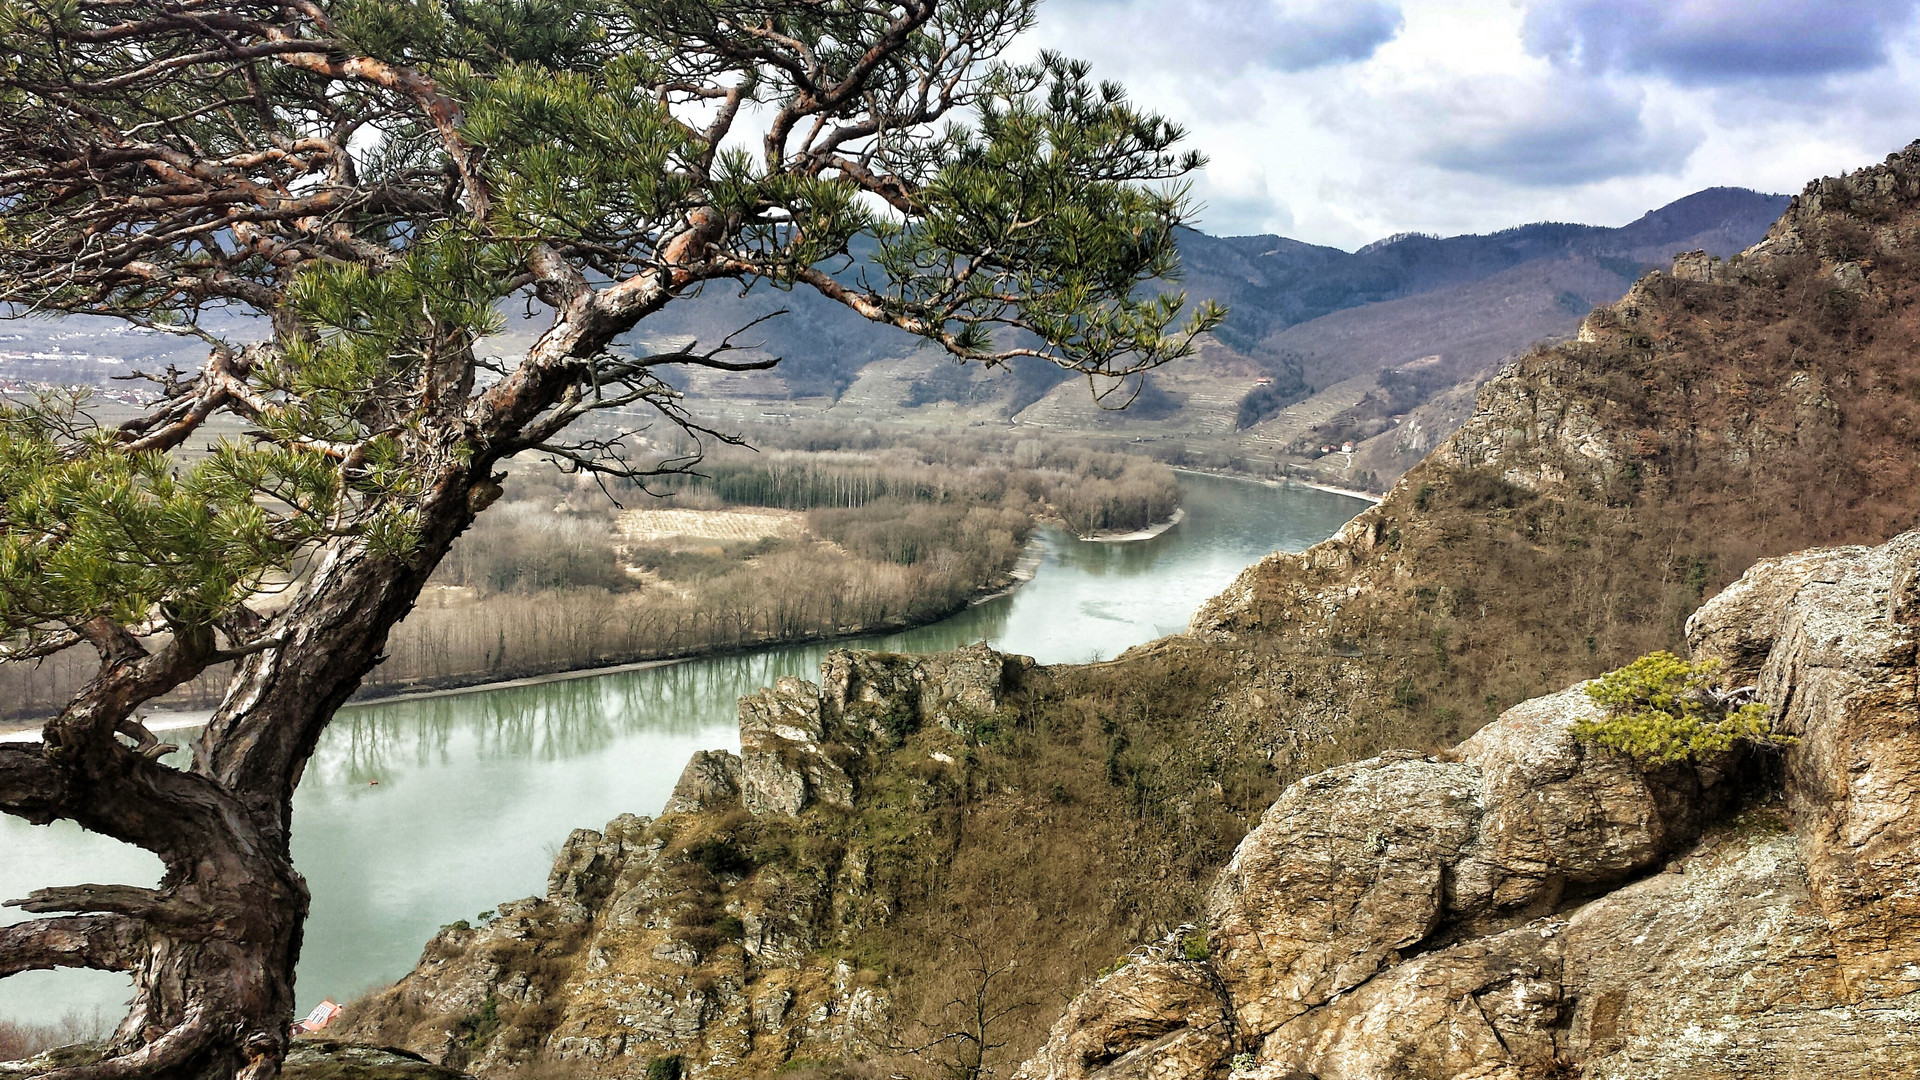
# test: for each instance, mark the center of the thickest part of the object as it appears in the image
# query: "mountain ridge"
(1334, 315)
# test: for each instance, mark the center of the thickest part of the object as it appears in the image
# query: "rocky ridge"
(1719, 413)
(706, 936)
(1527, 906)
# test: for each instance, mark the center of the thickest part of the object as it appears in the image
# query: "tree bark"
(212, 950)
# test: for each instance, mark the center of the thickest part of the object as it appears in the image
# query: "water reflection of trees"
(573, 718)
(551, 721)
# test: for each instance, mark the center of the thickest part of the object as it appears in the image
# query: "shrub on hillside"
(1662, 709)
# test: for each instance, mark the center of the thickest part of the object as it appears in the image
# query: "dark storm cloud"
(1564, 133)
(1712, 41)
(1209, 37)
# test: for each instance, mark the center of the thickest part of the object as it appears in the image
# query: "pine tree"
(373, 182)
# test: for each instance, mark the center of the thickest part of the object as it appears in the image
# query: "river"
(415, 813)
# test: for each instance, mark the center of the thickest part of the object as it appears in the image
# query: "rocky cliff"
(1529, 906)
(722, 936)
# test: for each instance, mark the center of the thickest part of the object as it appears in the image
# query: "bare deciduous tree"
(977, 998)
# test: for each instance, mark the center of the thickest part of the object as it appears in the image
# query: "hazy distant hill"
(1274, 283)
(1271, 283)
(1435, 315)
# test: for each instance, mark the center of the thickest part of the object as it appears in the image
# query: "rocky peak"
(798, 740)
(707, 936)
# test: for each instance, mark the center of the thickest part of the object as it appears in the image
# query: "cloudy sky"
(1343, 121)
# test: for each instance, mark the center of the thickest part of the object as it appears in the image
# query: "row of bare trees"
(544, 582)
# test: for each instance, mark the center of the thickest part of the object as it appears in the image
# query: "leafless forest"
(821, 534)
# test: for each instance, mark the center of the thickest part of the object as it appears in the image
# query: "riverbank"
(1023, 571)
(1148, 533)
(1351, 493)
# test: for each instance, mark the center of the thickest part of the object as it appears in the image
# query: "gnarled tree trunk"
(212, 950)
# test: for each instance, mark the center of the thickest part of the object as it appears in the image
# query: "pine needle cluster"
(1662, 709)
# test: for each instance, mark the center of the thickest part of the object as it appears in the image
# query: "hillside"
(1720, 413)
(916, 845)
(1352, 324)
(1378, 335)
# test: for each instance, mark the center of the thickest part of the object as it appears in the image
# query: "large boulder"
(1840, 673)
(1562, 818)
(1160, 1016)
(1342, 873)
(1354, 867)
(1722, 967)
(712, 780)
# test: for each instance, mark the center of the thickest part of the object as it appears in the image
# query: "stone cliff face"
(709, 935)
(1530, 906)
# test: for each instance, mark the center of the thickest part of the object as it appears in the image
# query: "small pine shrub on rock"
(1662, 709)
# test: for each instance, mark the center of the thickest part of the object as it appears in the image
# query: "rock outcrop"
(1723, 412)
(1160, 1016)
(786, 762)
(329, 1059)
(1841, 675)
(710, 935)
(1529, 906)
(712, 780)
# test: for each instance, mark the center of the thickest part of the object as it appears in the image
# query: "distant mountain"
(1392, 338)
(1270, 283)
(1273, 283)
(1388, 339)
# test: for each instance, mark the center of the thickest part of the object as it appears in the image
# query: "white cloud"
(1539, 130)
(1215, 38)
(1714, 41)
(1474, 115)
(1233, 204)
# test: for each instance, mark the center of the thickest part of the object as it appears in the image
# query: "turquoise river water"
(417, 812)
